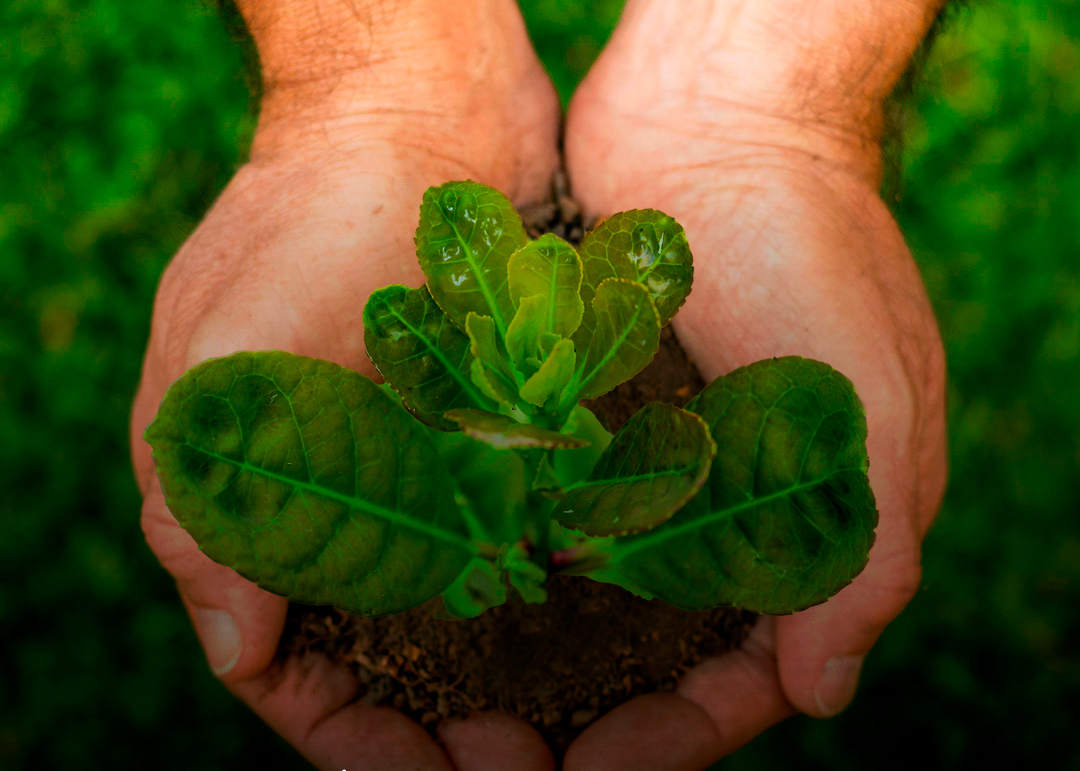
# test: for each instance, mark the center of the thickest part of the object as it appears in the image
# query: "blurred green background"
(119, 123)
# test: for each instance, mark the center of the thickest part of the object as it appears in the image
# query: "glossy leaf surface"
(466, 235)
(506, 433)
(786, 518)
(550, 268)
(617, 339)
(309, 480)
(653, 466)
(642, 245)
(421, 354)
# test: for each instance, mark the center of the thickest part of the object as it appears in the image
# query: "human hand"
(360, 115)
(758, 127)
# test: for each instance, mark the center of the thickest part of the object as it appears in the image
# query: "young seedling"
(475, 470)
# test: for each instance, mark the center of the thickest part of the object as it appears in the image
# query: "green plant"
(476, 469)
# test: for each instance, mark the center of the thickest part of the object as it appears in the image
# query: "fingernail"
(220, 638)
(836, 688)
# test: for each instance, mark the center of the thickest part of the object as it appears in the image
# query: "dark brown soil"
(559, 665)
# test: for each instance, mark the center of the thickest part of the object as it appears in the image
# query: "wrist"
(832, 62)
(456, 82)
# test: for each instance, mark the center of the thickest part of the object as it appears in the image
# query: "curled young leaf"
(549, 267)
(653, 466)
(642, 245)
(491, 370)
(311, 481)
(424, 357)
(546, 385)
(786, 518)
(466, 235)
(506, 433)
(617, 339)
(527, 333)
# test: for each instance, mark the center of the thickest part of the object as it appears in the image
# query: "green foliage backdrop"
(119, 123)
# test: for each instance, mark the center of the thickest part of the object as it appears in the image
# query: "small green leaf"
(549, 267)
(466, 235)
(786, 518)
(505, 433)
(491, 485)
(525, 575)
(526, 332)
(422, 355)
(490, 370)
(573, 466)
(546, 386)
(311, 481)
(546, 480)
(547, 342)
(480, 586)
(654, 465)
(642, 245)
(619, 337)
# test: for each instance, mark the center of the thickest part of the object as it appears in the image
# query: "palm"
(794, 254)
(326, 235)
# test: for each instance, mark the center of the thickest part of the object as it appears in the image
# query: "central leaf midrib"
(619, 340)
(653, 538)
(485, 290)
(633, 478)
(395, 517)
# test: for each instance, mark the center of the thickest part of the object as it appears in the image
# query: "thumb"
(821, 650)
(238, 623)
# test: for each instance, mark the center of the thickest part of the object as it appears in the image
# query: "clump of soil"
(559, 665)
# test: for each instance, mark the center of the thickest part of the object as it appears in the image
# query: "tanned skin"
(758, 124)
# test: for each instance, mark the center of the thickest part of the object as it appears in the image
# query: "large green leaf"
(653, 466)
(506, 433)
(420, 353)
(617, 339)
(549, 267)
(786, 518)
(642, 245)
(466, 235)
(309, 480)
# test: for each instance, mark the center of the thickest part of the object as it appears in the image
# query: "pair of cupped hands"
(756, 124)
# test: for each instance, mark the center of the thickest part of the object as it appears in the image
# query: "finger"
(656, 732)
(719, 706)
(495, 742)
(238, 623)
(821, 650)
(312, 704)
